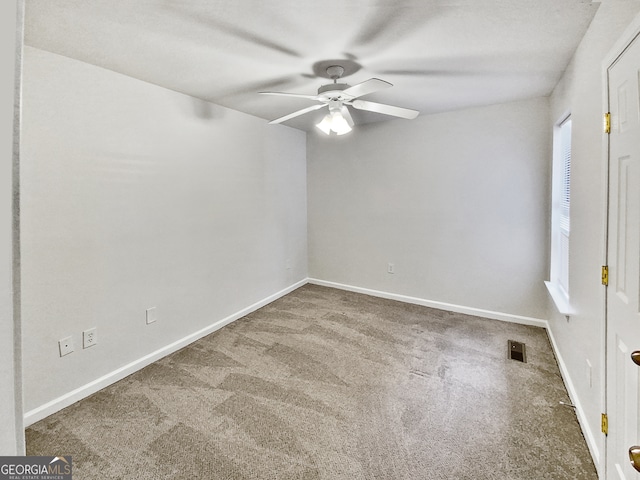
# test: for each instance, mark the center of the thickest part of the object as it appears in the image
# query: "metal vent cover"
(517, 351)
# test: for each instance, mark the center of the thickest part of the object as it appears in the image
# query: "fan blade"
(212, 23)
(387, 24)
(299, 112)
(366, 87)
(385, 109)
(427, 73)
(347, 115)
(251, 88)
(297, 95)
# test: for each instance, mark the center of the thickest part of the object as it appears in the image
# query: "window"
(560, 216)
(564, 221)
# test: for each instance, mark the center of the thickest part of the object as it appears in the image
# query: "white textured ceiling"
(440, 55)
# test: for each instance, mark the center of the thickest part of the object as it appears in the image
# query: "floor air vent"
(517, 351)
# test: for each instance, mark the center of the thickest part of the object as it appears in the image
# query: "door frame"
(628, 36)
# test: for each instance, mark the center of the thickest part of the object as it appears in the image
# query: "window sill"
(559, 299)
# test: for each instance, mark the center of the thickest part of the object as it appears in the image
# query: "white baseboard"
(505, 317)
(90, 388)
(575, 400)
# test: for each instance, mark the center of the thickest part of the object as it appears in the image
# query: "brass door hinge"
(605, 275)
(607, 122)
(605, 424)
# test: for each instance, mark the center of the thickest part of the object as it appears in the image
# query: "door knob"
(634, 456)
(635, 356)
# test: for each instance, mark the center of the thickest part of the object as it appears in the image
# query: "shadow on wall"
(206, 110)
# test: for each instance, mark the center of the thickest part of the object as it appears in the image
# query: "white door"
(623, 307)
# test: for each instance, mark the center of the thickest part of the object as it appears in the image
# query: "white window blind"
(564, 207)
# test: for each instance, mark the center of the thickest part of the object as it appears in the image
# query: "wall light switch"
(66, 346)
(391, 268)
(152, 315)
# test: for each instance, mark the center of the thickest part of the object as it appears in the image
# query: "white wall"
(134, 196)
(457, 201)
(11, 433)
(580, 92)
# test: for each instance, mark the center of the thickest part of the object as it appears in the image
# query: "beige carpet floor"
(327, 384)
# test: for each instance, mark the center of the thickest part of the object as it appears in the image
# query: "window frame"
(559, 268)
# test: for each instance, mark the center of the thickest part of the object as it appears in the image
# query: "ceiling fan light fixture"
(325, 124)
(334, 122)
(339, 124)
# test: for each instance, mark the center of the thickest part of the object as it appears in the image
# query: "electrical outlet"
(391, 268)
(89, 337)
(66, 346)
(152, 315)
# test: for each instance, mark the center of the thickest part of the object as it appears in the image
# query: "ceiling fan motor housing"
(332, 87)
(333, 91)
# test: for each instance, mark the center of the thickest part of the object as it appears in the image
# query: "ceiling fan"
(336, 96)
